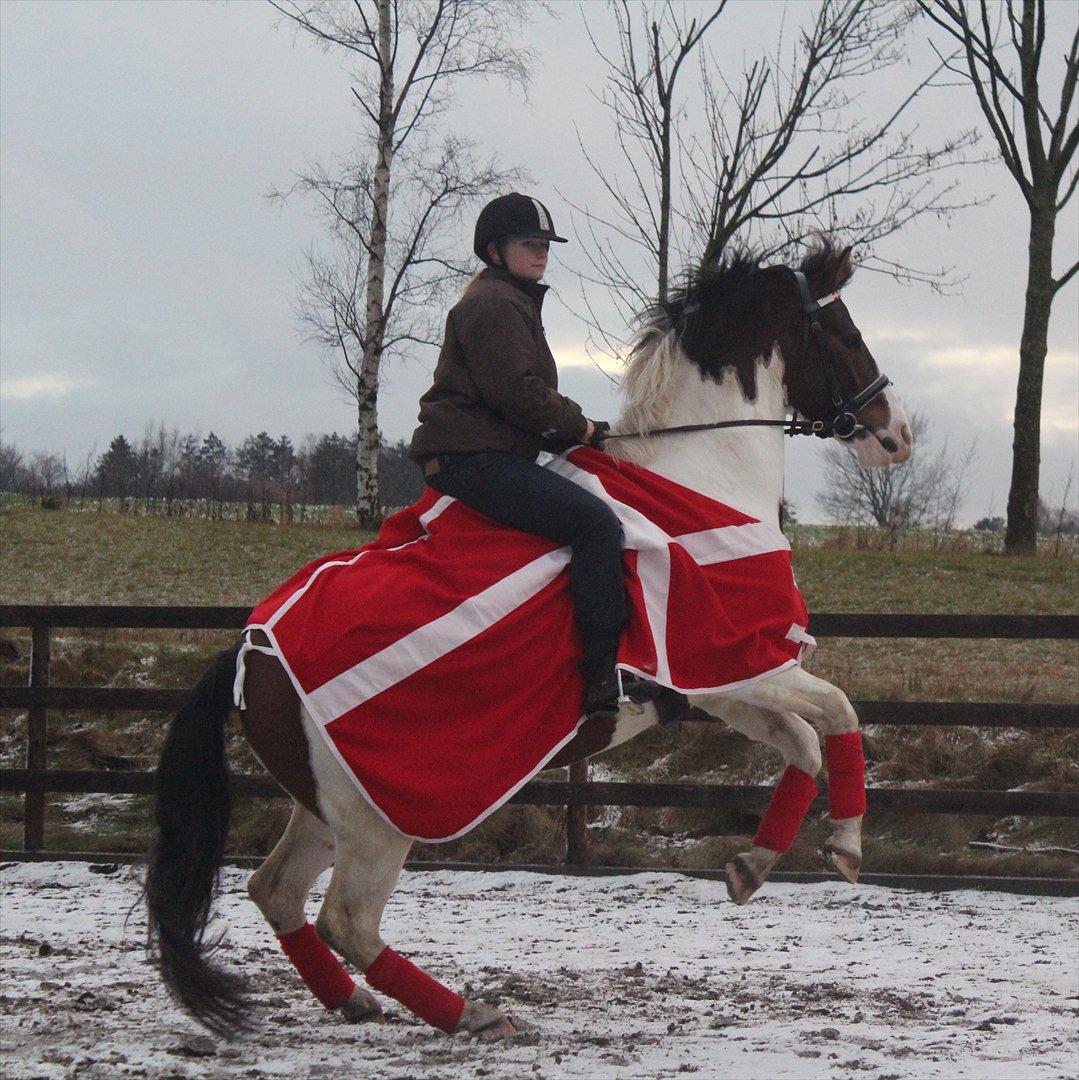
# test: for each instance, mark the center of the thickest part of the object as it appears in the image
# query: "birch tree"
(761, 160)
(1000, 49)
(391, 209)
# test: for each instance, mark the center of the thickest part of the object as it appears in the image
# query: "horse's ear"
(844, 269)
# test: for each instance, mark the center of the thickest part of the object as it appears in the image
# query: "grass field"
(89, 557)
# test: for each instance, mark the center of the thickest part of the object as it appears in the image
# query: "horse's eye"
(853, 341)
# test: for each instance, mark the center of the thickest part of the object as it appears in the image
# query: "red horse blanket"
(440, 661)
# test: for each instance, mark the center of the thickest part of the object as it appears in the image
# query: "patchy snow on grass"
(652, 975)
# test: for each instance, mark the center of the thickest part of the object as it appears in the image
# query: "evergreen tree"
(117, 468)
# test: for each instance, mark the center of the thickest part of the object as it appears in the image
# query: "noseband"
(842, 424)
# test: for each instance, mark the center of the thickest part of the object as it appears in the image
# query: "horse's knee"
(825, 704)
(840, 716)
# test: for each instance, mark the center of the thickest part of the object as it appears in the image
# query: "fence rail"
(839, 624)
(35, 780)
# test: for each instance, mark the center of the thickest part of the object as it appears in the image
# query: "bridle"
(842, 424)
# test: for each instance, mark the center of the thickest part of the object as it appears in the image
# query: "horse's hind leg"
(368, 861)
(800, 747)
(280, 887)
(797, 691)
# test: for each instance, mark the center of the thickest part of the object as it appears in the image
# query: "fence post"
(577, 821)
(37, 734)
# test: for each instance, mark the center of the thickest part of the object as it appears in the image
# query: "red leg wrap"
(783, 818)
(318, 967)
(846, 775)
(390, 973)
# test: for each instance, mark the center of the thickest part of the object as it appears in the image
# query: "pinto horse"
(715, 373)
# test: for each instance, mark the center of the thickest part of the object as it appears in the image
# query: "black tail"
(192, 810)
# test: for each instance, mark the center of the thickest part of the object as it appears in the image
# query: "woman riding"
(494, 405)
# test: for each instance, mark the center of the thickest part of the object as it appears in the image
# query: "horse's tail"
(192, 810)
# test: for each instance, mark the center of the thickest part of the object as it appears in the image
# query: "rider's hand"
(598, 435)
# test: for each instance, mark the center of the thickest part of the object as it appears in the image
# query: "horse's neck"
(741, 467)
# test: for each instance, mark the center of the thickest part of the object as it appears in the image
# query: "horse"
(715, 376)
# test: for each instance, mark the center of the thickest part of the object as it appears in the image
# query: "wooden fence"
(35, 780)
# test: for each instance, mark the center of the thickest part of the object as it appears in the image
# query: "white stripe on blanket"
(427, 643)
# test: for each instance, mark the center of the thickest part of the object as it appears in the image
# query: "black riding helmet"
(512, 215)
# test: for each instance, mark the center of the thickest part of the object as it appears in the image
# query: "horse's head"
(828, 365)
(731, 312)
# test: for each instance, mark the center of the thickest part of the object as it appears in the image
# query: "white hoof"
(485, 1022)
(847, 863)
(362, 1008)
(743, 879)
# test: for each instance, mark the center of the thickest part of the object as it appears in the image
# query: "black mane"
(715, 297)
(716, 280)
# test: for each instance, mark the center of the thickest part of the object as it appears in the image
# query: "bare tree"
(376, 293)
(12, 470)
(924, 492)
(770, 158)
(1000, 53)
(46, 474)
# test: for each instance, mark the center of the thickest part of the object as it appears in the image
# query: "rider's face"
(526, 256)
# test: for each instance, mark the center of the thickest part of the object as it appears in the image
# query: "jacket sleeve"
(498, 349)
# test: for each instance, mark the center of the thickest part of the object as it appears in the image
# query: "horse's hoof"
(485, 1022)
(848, 864)
(497, 1029)
(362, 1008)
(742, 880)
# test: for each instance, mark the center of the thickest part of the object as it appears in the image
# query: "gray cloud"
(144, 276)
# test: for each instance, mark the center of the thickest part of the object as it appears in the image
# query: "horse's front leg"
(827, 706)
(800, 747)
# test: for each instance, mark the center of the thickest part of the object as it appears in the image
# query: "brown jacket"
(495, 385)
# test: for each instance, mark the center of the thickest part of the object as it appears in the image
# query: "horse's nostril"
(888, 443)
(908, 436)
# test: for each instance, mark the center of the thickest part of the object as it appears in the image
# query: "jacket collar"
(535, 290)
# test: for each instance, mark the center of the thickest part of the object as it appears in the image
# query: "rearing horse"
(734, 351)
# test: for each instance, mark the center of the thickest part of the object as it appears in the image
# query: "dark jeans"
(519, 493)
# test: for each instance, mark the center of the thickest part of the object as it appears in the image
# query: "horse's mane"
(646, 388)
(716, 281)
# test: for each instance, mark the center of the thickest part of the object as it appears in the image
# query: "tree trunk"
(1021, 537)
(665, 207)
(368, 506)
(368, 503)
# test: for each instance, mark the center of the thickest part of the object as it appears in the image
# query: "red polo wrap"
(790, 803)
(846, 775)
(318, 967)
(390, 973)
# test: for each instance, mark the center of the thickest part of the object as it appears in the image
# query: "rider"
(494, 405)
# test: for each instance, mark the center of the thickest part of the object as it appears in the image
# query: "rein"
(842, 424)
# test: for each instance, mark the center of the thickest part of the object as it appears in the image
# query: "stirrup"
(639, 693)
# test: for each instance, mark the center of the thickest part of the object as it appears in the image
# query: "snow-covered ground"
(643, 976)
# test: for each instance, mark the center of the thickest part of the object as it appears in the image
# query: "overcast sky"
(145, 277)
